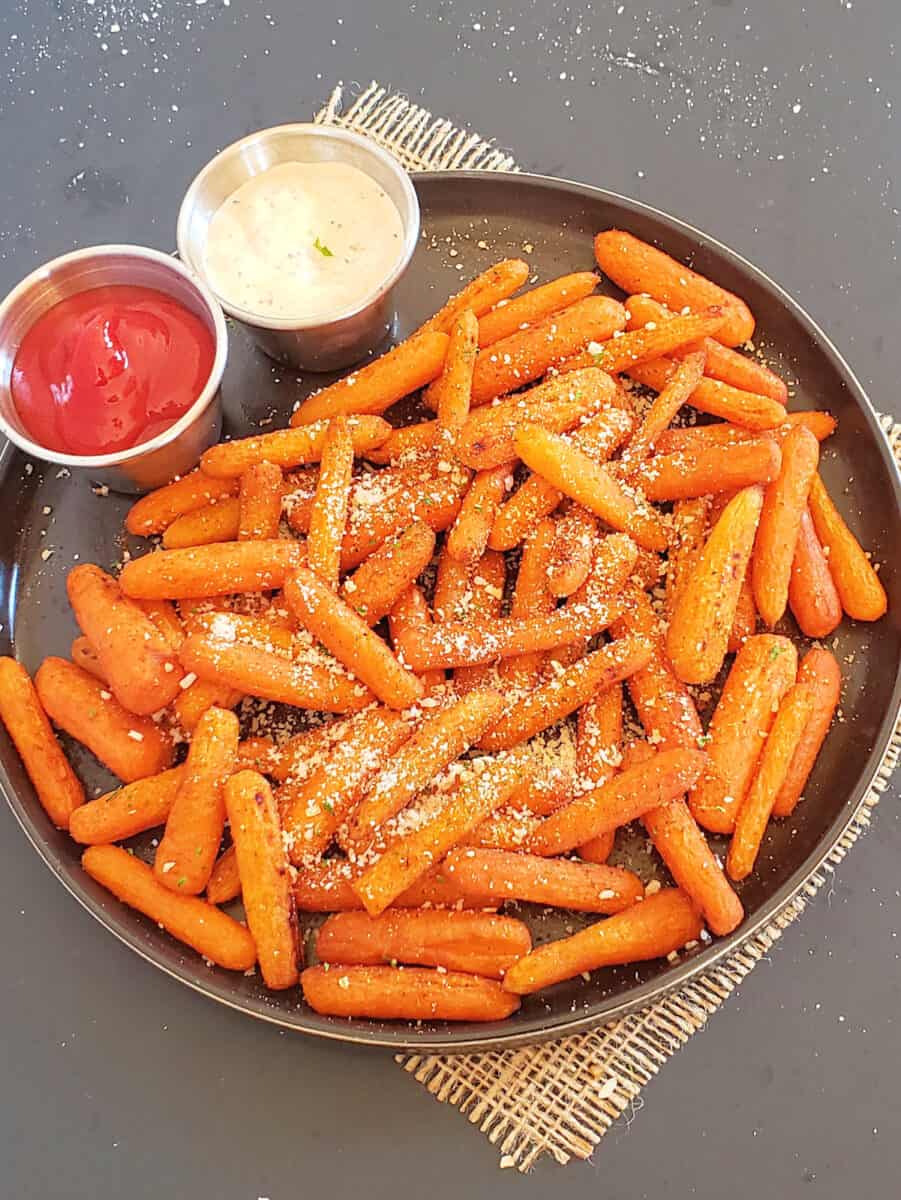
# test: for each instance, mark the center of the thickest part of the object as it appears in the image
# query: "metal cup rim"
(99, 461)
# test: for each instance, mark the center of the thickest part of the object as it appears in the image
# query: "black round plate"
(471, 220)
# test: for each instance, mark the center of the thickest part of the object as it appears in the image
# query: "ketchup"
(109, 368)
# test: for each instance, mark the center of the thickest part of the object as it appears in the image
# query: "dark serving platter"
(470, 220)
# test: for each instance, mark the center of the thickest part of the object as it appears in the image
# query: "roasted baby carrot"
(777, 533)
(406, 445)
(745, 409)
(654, 340)
(411, 612)
(344, 632)
(210, 570)
(260, 499)
(688, 474)
(265, 881)
(135, 658)
(812, 595)
(570, 470)
(188, 918)
(405, 994)
(575, 536)
(636, 266)
(438, 741)
(224, 882)
(190, 843)
(331, 502)
(701, 622)
(599, 735)
(689, 535)
(256, 672)
(484, 601)
(678, 389)
(662, 924)
(477, 943)
(788, 727)
(468, 536)
(630, 794)
(377, 583)
(289, 448)
(201, 694)
(218, 521)
(820, 671)
(763, 671)
(531, 598)
(128, 810)
(558, 404)
(157, 510)
(454, 385)
(21, 711)
(326, 886)
(85, 656)
(374, 388)
(862, 595)
(509, 316)
(481, 294)
(527, 354)
(566, 692)
(131, 746)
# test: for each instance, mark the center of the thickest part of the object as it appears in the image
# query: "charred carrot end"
(408, 994)
(662, 924)
(701, 622)
(481, 294)
(260, 499)
(862, 595)
(349, 638)
(477, 943)
(821, 672)
(777, 535)
(187, 918)
(157, 510)
(265, 882)
(21, 711)
(190, 843)
(374, 388)
(126, 811)
(509, 316)
(812, 595)
(636, 266)
(328, 515)
(131, 746)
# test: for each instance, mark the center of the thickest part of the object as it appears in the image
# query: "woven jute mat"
(560, 1098)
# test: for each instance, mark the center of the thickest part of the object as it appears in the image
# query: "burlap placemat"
(560, 1098)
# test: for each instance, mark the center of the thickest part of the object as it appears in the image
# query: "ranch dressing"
(303, 240)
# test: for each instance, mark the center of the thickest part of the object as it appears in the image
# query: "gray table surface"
(772, 127)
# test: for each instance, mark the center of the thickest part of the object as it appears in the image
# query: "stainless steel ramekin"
(346, 336)
(172, 452)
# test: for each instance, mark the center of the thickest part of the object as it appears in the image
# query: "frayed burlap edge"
(560, 1098)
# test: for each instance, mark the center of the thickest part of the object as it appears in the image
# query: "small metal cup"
(177, 449)
(314, 345)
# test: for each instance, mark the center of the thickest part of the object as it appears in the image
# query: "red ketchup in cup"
(108, 369)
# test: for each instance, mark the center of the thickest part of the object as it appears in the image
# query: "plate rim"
(539, 1028)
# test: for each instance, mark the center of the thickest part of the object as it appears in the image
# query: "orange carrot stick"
(410, 613)
(210, 570)
(660, 925)
(812, 595)
(481, 294)
(468, 536)
(862, 595)
(575, 536)
(253, 671)
(190, 843)
(777, 533)
(135, 658)
(820, 671)
(189, 919)
(328, 514)
(784, 737)
(636, 266)
(454, 385)
(628, 795)
(510, 316)
(477, 943)
(260, 499)
(558, 404)
(265, 882)
(688, 474)
(701, 622)
(131, 746)
(127, 811)
(53, 779)
(568, 468)
(374, 388)
(405, 994)
(745, 409)
(375, 586)
(763, 671)
(342, 631)
(157, 510)
(677, 391)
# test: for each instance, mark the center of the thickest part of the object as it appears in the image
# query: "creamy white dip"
(303, 240)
